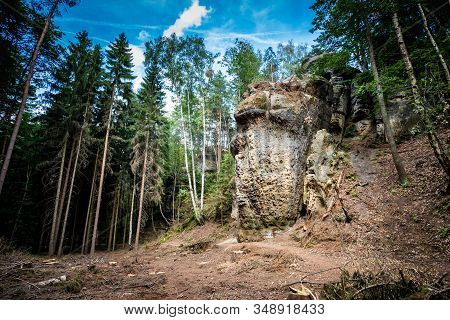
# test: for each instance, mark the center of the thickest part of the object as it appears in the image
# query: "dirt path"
(392, 229)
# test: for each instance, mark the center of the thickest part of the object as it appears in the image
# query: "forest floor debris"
(392, 248)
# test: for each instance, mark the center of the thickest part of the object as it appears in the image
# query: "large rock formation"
(320, 170)
(275, 124)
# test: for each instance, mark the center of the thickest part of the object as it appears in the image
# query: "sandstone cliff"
(276, 124)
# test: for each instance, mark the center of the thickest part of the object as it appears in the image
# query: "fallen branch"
(29, 283)
(318, 272)
(370, 287)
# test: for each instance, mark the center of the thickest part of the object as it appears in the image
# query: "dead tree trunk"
(141, 195)
(381, 101)
(19, 117)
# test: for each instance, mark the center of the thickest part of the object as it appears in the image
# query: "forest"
(91, 165)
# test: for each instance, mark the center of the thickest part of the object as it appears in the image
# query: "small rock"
(131, 275)
(235, 255)
(113, 263)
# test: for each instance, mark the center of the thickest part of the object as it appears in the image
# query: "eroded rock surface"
(276, 124)
(320, 170)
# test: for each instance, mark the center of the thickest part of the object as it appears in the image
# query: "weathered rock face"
(341, 103)
(275, 125)
(401, 113)
(320, 169)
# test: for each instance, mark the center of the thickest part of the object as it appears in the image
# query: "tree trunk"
(141, 196)
(191, 144)
(102, 177)
(124, 223)
(52, 244)
(219, 143)
(19, 117)
(69, 199)
(173, 194)
(433, 42)
(116, 216)
(19, 212)
(130, 233)
(88, 213)
(111, 224)
(186, 161)
(63, 194)
(72, 237)
(387, 125)
(202, 191)
(427, 124)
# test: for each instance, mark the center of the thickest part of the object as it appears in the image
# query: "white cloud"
(170, 103)
(191, 16)
(108, 23)
(143, 35)
(138, 61)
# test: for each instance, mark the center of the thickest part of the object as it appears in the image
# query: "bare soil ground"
(392, 228)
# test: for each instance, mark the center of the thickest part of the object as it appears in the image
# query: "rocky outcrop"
(275, 126)
(341, 104)
(320, 170)
(401, 113)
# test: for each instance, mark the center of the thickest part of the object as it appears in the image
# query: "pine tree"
(76, 83)
(146, 161)
(23, 102)
(118, 95)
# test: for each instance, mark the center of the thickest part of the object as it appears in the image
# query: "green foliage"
(330, 63)
(443, 232)
(218, 199)
(75, 282)
(243, 63)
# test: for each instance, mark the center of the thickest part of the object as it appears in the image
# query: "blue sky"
(263, 23)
